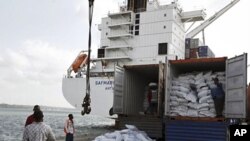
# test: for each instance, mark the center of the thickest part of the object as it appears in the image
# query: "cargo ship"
(143, 33)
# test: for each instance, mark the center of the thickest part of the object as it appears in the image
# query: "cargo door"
(118, 90)
(236, 83)
(160, 89)
(167, 86)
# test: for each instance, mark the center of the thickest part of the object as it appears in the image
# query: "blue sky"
(39, 39)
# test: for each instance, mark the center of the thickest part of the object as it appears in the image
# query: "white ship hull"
(101, 93)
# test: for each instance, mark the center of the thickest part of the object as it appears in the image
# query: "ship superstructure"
(143, 33)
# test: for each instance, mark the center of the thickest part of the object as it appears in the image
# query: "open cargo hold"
(129, 96)
(235, 86)
(190, 93)
(130, 86)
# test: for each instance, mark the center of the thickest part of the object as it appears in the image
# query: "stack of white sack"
(191, 94)
(129, 134)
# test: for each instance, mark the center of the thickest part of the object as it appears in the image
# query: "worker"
(148, 94)
(38, 131)
(30, 118)
(152, 98)
(218, 96)
(69, 128)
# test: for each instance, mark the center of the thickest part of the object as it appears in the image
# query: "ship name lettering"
(103, 82)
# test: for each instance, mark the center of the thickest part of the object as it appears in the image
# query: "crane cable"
(87, 100)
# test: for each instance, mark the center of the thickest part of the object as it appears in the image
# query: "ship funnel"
(137, 5)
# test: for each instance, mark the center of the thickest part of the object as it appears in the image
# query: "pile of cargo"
(129, 134)
(195, 49)
(191, 95)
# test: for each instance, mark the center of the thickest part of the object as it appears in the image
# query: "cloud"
(34, 71)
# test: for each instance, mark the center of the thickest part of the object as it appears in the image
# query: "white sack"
(176, 88)
(191, 97)
(203, 84)
(205, 99)
(131, 127)
(203, 93)
(203, 105)
(173, 98)
(198, 76)
(204, 109)
(182, 100)
(192, 113)
(184, 90)
(180, 94)
(207, 114)
(194, 106)
(174, 103)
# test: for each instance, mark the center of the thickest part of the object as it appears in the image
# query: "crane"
(206, 23)
(87, 100)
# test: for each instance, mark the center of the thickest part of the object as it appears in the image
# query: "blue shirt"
(217, 92)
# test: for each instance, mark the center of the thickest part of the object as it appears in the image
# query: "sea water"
(12, 121)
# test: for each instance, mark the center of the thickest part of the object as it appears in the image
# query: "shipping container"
(194, 53)
(205, 51)
(130, 82)
(236, 80)
(129, 87)
(195, 43)
(248, 105)
(187, 53)
(129, 93)
(185, 130)
(187, 43)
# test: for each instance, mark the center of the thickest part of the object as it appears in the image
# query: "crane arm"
(206, 23)
(87, 100)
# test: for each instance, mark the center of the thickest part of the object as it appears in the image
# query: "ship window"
(165, 15)
(162, 48)
(136, 32)
(137, 16)
(106, 33)
(137, 21)
(101, 53)
(164, 26)
(107, 22)
(137, 27)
